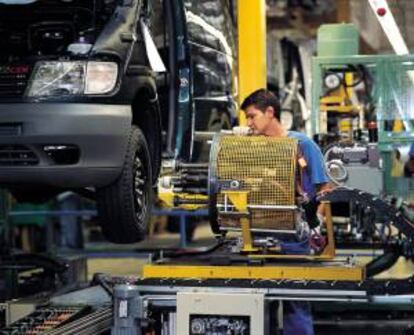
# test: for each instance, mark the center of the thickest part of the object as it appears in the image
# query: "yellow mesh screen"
(266, 168)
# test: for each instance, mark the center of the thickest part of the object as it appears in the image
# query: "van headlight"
(72, 78)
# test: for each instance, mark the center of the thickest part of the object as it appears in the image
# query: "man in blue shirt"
(262, 111)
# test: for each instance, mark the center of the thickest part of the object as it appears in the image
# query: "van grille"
(17, 155)
(10, 129)
(14, 80)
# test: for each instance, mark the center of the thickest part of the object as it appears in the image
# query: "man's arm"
(323, 188)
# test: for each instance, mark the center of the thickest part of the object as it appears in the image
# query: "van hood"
(16, 2)
(40, 31)
(45, 28)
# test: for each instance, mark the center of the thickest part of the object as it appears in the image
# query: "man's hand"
(242, 131)
(317, 241)
(324, 189)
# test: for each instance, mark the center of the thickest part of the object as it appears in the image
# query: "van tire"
(124, 207)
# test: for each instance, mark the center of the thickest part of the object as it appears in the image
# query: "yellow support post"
(349, 79)
(252, 48)
(239, 200)
(329, 251)
(247, 235)
(398, 126)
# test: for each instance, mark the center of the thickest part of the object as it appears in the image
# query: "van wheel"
(124, 207)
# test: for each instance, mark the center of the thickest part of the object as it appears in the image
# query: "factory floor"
(127, 260)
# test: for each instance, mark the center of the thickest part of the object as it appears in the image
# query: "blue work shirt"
(314, 173)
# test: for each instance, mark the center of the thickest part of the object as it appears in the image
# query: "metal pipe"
(268, 207)
(187, 180)
(179, 201)
(193, 190)
(166, 292)
(89, 324)
(258, 230)
(204, 135)
(355, 324)
(200, 177)
(182, 165)
(187, 189)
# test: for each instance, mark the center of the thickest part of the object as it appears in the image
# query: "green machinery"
(364, 107)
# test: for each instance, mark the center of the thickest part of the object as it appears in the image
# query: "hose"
(382, 263)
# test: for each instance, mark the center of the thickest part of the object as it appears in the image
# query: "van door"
(161, 29)
(211, 39)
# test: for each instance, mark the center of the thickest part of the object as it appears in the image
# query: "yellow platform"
(286, 271)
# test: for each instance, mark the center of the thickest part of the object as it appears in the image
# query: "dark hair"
(262, 99)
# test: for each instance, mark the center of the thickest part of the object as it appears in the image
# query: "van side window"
(158, 28)
(229, 23)
(207, 23)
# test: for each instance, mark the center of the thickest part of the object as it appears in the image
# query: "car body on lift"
(83, 107)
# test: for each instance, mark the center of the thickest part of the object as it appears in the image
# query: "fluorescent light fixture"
(389, 26)
(17, 2)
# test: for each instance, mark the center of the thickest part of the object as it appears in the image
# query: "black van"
(95, 93)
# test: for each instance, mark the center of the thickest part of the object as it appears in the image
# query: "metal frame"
(255, 300)
(165, 295)
(319, 63)
(165, 298)
(386, 139)
(289, 271)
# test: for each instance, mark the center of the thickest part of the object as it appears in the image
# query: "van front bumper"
(32, 133)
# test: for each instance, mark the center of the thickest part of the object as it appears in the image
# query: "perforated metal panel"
(263, 166)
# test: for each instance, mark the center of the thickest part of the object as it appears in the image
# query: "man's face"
(257, 120)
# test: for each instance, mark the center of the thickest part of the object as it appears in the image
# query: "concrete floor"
(123, 260)
(126, 260)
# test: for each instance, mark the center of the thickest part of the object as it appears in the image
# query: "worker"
(262, 110)
(409, 164)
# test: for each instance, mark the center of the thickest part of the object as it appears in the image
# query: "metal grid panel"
(390, 95)
(394, 91)
(266, 168)
(402, 187)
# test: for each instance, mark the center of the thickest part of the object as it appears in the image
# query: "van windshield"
(47, 28)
